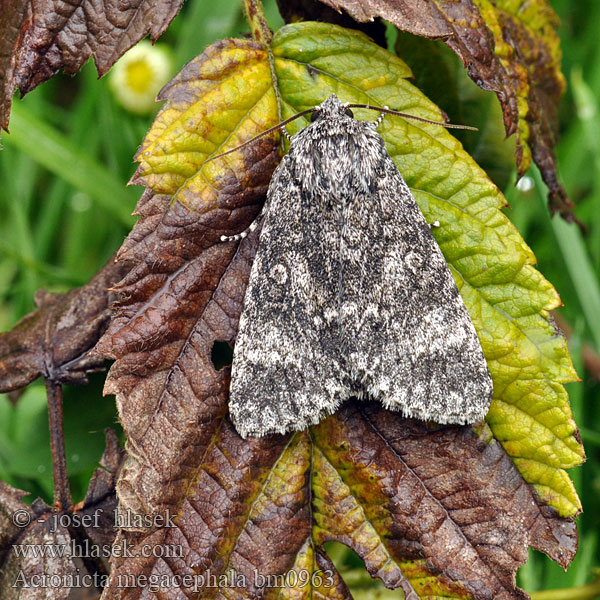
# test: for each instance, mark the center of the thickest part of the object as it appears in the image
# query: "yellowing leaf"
(508, 299)
(437, 512)
(509, 47)
(218, 100)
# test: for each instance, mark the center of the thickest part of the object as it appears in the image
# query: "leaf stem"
(62, 492)
(255, 14)
(583, 592)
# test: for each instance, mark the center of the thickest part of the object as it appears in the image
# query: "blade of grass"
(586, 592)
(47, 271)
(55, 152)
(53, 210)
(586, 558)
(576, 391)
(579, 266)
(204, 23)
(529, 576)
(589, 436)
(588, 112)
(18, 235)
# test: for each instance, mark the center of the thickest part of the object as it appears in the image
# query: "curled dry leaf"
(36, 541)
(53, 342)
(39, 38)
(293, 11)
(443, 510)
(510, 48)
(42, 531)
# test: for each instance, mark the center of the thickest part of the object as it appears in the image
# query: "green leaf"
(507, 298)
(392, 489)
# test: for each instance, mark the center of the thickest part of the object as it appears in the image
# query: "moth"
(349, 294)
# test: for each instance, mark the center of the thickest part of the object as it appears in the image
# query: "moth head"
(333, 108)
(316, 114)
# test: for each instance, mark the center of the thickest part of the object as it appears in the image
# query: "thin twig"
(62, 492)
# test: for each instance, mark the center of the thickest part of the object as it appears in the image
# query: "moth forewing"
(349, 294)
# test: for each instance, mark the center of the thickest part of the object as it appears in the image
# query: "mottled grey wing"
(287, 369)
(408, 338)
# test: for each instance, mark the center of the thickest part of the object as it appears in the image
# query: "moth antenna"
(263, 133)
(389, 111)
(382, 110)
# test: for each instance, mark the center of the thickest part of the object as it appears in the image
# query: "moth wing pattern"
(286, 367)
(409, 339)
(350, 295)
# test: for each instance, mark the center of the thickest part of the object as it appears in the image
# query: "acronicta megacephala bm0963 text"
(349, 294)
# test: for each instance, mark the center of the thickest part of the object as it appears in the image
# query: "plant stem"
(62, 492)
(255, 14)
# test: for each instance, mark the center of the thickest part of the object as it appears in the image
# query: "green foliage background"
(71, 143)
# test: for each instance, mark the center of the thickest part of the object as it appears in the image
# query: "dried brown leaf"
(53, 342)
(186, 288)
(388, 487)
(37, 39)
(509, 48)
(448, 495)
(36, 541)
(101, 496)
(443, 510)
(17, 572)
(245, 511)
